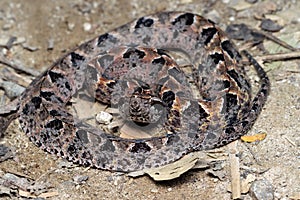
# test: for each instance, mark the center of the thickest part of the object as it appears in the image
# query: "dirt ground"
(275, 160)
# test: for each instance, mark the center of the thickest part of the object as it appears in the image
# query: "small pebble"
(71, 26)
(6, 27)
(270, 25)
(12, 90)
(20, 40)
(50, 44)
(5, 153)
(29, 47)
(79, 179)
(15, 180)
(87, 26)
(104, 117)
(232, 18)
(65, 164)
(154, 190)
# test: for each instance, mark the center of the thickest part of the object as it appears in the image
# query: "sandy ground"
(69, 23)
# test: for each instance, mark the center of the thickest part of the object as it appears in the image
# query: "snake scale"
(130, 68)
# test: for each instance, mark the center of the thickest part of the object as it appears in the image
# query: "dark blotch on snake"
(54, 113)
(76, 58)
(227, 46)
(83, 136)
(226, 84)
(140, 147)
(208, 34)
(168, 97)
(102, 38)
(230, 102)
(50, 96)
(36, 102)
(140, 54)
(55, 76)
(217, 57)
(203, 113)
(144, 22)
(55, 124)
(160, 61)
(237, 78)
(187, 19)
(72, 149)
(162, 52)
(106, 37)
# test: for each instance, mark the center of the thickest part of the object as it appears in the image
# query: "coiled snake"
(130, 67)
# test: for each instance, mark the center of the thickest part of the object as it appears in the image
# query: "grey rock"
(79, 179)
(262, 190)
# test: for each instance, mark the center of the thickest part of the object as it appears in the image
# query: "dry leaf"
(173, 170)
(254, 138)
(194, 160)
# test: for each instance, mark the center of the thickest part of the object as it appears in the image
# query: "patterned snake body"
(130, 67)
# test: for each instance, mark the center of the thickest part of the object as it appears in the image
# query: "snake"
(131, 68)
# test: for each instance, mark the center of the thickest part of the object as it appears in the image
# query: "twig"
(276, 40)
(234, 170)
(290, 141)
(279, 56)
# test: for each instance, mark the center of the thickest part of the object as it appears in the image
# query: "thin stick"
(234, 170)
(279, 56)
(276, 40)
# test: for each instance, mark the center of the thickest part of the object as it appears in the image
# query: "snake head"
(145, 109)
